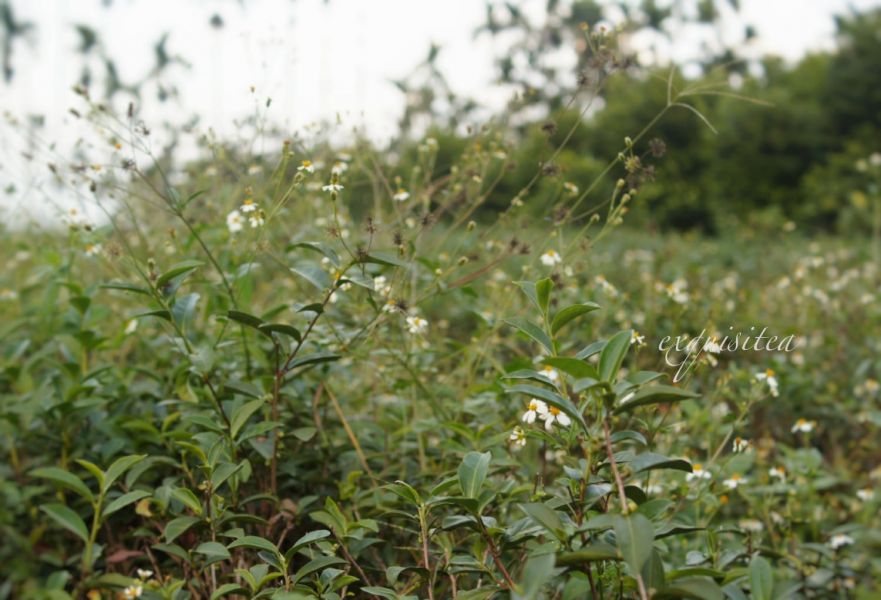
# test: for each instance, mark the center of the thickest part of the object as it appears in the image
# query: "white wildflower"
(535, 408)
(739, 444)
(401, 195)
(803, 426)
(416, 325)
(698, 472)
(733, 482)
(840, 539)
(235, 221)
(553, 415)
(551, 258)
(518, 438)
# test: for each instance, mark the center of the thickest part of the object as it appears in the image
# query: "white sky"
(315, 59)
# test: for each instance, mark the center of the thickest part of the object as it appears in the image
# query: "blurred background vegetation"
(783, 145)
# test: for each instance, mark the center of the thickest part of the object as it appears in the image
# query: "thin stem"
(622, 496)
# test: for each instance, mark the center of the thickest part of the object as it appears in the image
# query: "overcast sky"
(316, 59)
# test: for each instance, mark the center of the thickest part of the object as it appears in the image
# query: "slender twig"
(622, 496)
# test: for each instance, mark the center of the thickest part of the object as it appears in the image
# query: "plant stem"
(622, 496)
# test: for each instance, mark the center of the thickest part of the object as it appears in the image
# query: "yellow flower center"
(769, 373)
(554, 411)
(698, 467)
(306, 163)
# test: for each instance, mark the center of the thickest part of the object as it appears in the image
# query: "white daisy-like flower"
(570, 188)
(93, 249)
(255, 170)
(332, 188)
(712, 347)
(739, 444)
(551, 258)
(553, 415)
(381, 285)
(339, 167)
(144, 573)
(416, 325)
(678, 291)
(258, 219)
(698, 472)
(535, 409)
(132, 591)
(401, 195)
(803, 426)
(306, 166)
(840, 539)
(875, 159)
(636, 338)
(777, 473)
(390, 306)
(751, 525)
(234, 221)
(865, 494)
(733, 482)
(131, 326)
(517, 438)
(551, 373)
(769, 378)
(7, 294)
(248, 205)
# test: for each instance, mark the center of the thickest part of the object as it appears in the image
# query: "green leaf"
(528, 288)
(65, 479)
(94, 469)
(313, 359)
(635, 538)
(313, 274)
(406, 491)
(288, 330)
(536, 573)
(177, 526)
(649, 461)
(544, 516)
(123, 501)
(126, 287)
(188, 498)
(380, 257)
(594, 552)
(257, 543)
(613, 354)
(472, 473)
(182, 268)
(119, 467)
(322, 248)
(247, 320)
(67, 519)
(241, 415)
(532, 330)
(184, 309)
(316, 564)
(227, 588)
(223, 472)
(543, 289)
(693, 589)
(242, 387)
(563, 317)
(590, 350)
(213, 550)
(656, 394)
(761, 579)
(552, 398)
(572, 366)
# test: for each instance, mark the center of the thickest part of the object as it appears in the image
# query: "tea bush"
(313, 374)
